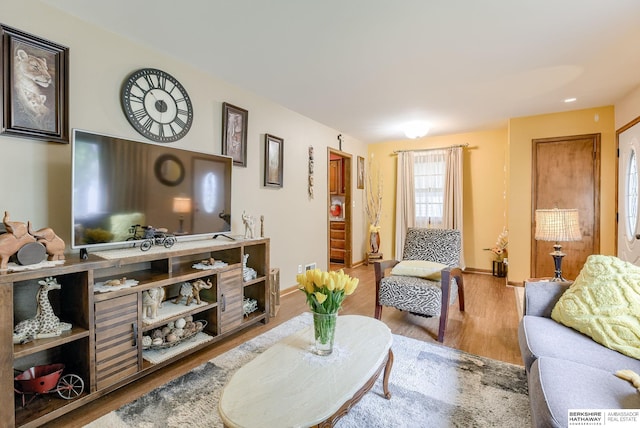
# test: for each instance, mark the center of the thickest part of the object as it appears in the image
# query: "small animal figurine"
(45, 323)
(17, 236)
(116, 282)
(52, 242)
(191, 291)
(151, 301)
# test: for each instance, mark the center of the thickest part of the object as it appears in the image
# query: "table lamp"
(181, 206)
(558, 225)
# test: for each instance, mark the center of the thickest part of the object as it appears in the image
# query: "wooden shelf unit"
(104, 347)
(337, 241)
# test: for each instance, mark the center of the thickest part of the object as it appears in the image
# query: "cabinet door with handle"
(230, 299)
(116, 339)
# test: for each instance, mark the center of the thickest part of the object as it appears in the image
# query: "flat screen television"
(122, 186)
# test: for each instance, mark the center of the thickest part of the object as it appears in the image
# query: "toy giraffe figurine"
(45, 323)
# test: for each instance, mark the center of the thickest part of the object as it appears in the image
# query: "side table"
(499, 268)
(373, 256)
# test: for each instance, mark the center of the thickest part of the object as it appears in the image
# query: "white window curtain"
(429, 192)
(405, 200)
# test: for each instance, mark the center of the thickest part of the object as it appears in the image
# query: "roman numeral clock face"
(157, 105)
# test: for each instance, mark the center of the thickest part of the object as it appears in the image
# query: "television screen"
(121, 187)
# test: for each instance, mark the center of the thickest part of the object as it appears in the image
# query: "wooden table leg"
(330, 422)
(387, 372)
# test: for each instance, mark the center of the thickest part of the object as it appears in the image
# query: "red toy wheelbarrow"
(47, 379)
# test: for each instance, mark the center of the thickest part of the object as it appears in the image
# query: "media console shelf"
(104, 347)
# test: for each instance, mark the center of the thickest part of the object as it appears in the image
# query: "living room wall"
(484, 181)
(524, 129)
(36, 175)
(628, 108)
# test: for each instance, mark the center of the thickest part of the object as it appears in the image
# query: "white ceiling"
(366, 67)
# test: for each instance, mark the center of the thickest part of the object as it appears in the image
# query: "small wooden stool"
(372, 256)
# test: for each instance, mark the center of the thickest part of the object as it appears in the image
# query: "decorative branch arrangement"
(373, 192)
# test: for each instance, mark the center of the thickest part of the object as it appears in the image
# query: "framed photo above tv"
(273, 160)
(35, 87)
(234, 133)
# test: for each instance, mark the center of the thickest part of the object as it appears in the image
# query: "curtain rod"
(435, 148)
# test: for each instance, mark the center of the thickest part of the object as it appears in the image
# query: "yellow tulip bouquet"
(325, 293)
(326, 290)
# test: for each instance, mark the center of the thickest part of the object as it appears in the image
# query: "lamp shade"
(559, 225)
(181, 205)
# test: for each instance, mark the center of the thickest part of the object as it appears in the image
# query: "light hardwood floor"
(488, 327)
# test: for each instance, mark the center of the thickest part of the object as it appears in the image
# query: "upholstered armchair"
(423, 294)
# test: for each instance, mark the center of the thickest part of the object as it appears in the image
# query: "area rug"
(431, 386)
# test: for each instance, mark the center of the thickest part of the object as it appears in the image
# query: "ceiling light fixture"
(416, 129)
(570, 100)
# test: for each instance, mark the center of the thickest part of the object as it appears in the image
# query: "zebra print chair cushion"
(416, 295)
(422, 296)
(436, 245)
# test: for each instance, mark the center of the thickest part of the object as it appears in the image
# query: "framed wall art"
(273, 160)
(34, 87)
(360, 182)
(234, 133)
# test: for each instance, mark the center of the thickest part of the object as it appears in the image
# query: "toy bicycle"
(153, 236)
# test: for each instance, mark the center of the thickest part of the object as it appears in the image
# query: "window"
(429, 179)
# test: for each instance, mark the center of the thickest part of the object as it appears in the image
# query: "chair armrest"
(382, 266)
(541, 297)
(379, 268)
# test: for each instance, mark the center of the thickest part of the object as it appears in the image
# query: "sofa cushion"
(555, 386)
(543, 337)
(420, 268)
(541, 297)
(604, 304)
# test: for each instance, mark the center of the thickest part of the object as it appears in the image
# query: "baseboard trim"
(479, 271)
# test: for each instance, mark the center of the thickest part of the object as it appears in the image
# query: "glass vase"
(324, 327)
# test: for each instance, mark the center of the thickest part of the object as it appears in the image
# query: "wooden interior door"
(339, 184)
(566, 174)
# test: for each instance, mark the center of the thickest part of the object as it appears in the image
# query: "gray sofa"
(566, 369)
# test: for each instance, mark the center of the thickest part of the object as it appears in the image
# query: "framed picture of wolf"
(34, 87)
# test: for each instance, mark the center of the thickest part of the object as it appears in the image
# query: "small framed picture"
(234, 133)
(273, 160)
(360, 182)
(35, 87)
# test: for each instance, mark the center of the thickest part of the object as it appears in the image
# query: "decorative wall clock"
(157, 105)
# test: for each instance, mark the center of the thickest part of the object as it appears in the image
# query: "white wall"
(36, 175)
(628, 108)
